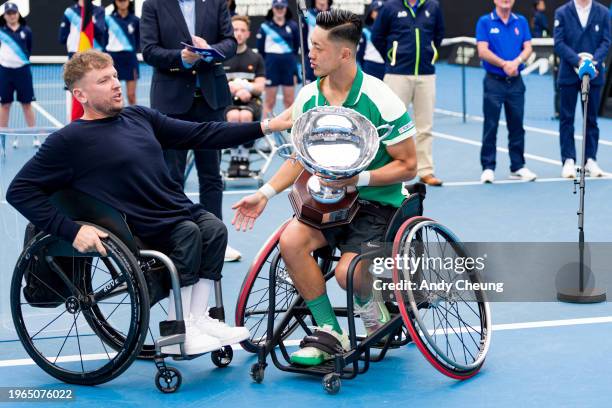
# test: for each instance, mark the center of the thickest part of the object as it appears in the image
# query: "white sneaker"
(569, 169)
(224, 333)
(311, 356)
(231, 255)
(196, 342)
(374, 315)
(592, 168)
(487, 176)
(523, 174)
(36, 142)
(15, 143)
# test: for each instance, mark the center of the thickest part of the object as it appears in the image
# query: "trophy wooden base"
(319, 215)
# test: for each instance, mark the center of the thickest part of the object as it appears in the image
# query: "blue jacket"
(15, 46)
(571, 39)
(275, 39)
(162, 29)
(123, 33)
(408, 39)
(70, 28)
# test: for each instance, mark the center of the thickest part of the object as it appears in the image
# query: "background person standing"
(185, 86)
(408, 33)
(580, 26)
(504, 44)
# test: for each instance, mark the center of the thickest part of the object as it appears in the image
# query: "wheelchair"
(85, 318)
(452, 331)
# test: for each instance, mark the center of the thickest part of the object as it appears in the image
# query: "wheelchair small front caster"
(222, 357)
(257, 372)
(331, 383)
(168, 380)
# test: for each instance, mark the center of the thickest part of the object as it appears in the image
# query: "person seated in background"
(539, 26)
(115, 155)
(246, 75)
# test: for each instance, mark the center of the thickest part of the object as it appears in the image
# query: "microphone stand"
(301, 8)
(582, 294)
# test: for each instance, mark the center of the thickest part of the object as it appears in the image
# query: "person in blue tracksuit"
(316, 7)
(504, 44)
(70, 27)
(15, 74)
(123, 42)
(367, 55)
(407, 33)
(581, 26)
(278, 42)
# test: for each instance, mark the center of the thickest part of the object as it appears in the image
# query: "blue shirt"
(188, 10)
(123, 33)
(505, 39)
(15, 46)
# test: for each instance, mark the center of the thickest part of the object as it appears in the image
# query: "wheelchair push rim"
(441, 354)
(250, 293)
(91, 362)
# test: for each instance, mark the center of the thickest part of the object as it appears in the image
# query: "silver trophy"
(332, 143)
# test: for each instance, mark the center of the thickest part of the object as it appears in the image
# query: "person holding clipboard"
(187, 86)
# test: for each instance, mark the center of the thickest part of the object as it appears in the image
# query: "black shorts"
(126, 64)
(369, 225)
(253, 106)
(16, 80)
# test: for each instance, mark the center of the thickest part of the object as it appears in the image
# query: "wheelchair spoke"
(64, 343)
(48, 324)
(48, 287)
(76, 327)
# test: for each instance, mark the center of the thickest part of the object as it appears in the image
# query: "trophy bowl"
(333, 143)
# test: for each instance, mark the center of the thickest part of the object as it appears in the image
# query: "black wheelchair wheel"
(253, 301)
(58, 335)
(452, 327)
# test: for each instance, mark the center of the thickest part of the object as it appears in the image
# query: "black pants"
(197, 248)
(508, 93)
(207, 161)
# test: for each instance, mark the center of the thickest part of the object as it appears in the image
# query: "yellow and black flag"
(86, 41)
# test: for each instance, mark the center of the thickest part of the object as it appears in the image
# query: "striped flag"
(85, 42)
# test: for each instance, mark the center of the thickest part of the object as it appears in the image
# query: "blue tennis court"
(542, 354)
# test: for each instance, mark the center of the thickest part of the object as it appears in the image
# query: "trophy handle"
(387, 133)
(282, 149)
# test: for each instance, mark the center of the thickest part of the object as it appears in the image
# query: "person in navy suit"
(184, 85)
(581, 26)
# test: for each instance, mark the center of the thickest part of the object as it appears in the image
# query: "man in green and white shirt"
(341, 83)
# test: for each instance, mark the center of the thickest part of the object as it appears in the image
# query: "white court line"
(47, 115)
(549, 132)
(236, 347)
(499, 149)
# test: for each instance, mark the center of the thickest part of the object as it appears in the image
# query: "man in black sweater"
(116, 155)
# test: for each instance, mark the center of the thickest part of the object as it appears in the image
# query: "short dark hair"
(342, 25)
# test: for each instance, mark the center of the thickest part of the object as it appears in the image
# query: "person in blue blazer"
(581, 27)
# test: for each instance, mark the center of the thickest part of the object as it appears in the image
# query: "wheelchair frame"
(394, 334)
(87, 210)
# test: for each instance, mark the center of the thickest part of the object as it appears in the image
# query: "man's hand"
(247, 211)
(199, 42)
(234, 86)
(88, 240)
(511, 68)
(189, 57)
(244, 95)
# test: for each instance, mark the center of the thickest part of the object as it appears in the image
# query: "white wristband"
(267, 190)
(363, 179)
